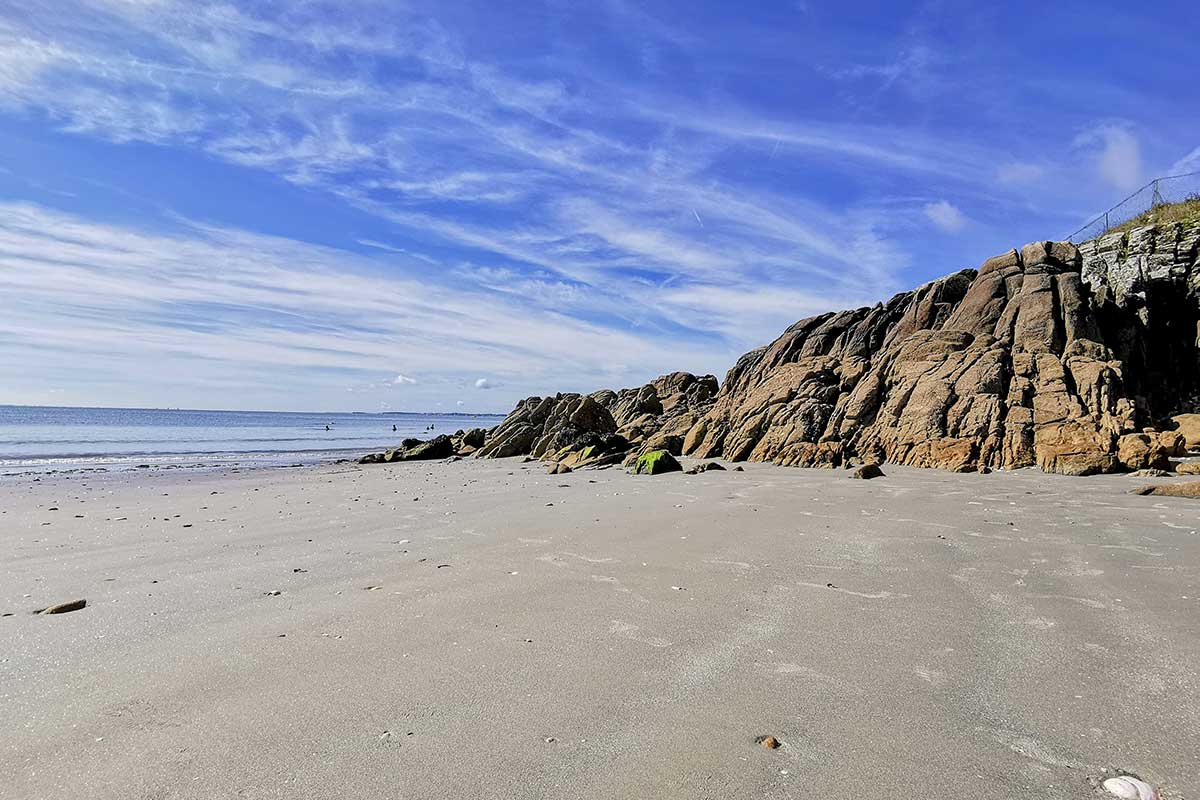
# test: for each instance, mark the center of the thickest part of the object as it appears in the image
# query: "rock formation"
(462, 443)
(658, 415)
(605, 427)
(1068, 358)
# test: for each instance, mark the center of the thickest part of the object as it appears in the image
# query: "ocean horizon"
(53, 438)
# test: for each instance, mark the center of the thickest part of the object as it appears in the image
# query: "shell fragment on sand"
(1128, 787)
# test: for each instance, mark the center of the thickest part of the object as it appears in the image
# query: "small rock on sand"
(767, 742)
(64, 608)
(868, 471)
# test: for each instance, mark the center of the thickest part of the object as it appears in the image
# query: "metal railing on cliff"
(1158, 192)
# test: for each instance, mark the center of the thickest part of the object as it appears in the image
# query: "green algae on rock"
(656, 462)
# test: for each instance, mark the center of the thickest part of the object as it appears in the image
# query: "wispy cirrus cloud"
(608, 195)
(147, 310)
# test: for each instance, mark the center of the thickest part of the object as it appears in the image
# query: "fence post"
(1156, 200)
(1106, 222)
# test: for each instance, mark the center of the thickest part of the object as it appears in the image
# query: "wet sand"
(483, 629)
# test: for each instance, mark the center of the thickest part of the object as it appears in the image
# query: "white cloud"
(1116, 153)
(210, 77)
(400, 380)
(483, 383)
(106, 312)
(576, 221)
(945, 216)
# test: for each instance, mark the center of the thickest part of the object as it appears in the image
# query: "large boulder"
(656, 462)
(1188, 425)
(437, 447)
(1149, 450)
(413, 450)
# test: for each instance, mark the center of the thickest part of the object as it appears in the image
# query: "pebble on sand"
(64, 608)
(768, 742)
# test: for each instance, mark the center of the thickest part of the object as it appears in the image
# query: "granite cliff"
(1070, 358)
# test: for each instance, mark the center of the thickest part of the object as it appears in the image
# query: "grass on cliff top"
(1167, 212)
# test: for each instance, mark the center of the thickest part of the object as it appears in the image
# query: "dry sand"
(595, 635)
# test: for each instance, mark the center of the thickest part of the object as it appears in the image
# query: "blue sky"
(453, 205)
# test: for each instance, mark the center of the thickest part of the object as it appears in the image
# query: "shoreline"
(217, 461)
(483, 629)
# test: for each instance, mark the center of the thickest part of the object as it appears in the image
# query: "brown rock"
(1191, 489)
(1140, 451)
(868, 471)
(1188, 468)
(1074, 448)
(1052, 355)
(64, 608)
(1189, 426)
(767, 742)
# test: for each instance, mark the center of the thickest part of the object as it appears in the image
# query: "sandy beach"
(483, 629)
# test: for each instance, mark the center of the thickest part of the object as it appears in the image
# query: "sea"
(36, 439)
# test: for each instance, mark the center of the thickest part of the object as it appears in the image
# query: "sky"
(449, 206)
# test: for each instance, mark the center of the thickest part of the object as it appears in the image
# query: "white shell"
(1128, 787)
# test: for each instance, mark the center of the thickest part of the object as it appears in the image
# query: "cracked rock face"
(541, 426)
(1017, 364)
(1051, 356)
(605, 426)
